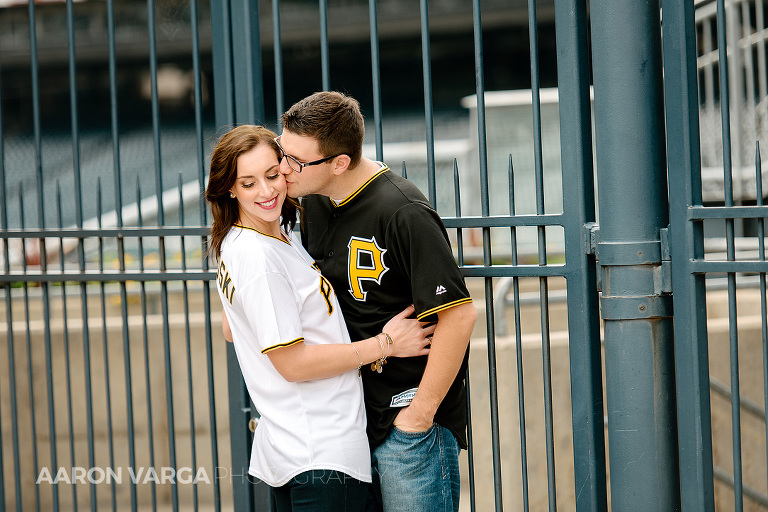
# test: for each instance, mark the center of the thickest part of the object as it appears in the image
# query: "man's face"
(313, 179)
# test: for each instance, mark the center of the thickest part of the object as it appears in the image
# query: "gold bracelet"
(390, 342)
(377, 365)
(359, 371)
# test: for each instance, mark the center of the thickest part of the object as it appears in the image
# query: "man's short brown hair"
(333, 119)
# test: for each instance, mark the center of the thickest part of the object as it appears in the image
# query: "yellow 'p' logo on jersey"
(360, 270)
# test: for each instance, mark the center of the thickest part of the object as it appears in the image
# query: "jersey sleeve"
(272, 311)
(419, 247)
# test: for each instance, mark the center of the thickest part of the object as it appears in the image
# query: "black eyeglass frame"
(301, 164)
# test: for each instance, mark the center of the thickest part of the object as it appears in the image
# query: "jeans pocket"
(413, 435)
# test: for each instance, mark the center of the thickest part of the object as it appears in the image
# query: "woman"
(290, 338)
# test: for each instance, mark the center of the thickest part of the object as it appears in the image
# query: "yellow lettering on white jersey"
(224, 280)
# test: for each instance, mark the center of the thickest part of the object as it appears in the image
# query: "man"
(381, 245)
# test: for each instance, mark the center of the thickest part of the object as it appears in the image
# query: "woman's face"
(260, 189)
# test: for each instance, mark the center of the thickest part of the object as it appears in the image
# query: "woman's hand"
(410, 337)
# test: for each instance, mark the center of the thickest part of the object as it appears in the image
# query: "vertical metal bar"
(733, 74)
(487, 259)
(185, 291)
(749, 68)
(639, 352)
(42, 249)
(9, 320)
(25, 287)
(74, 121)
(80, 244)
(277, 48)
(573, 74)
(65, 317)
(12, 392)
(211, 392)
(9, 333)
(324, 62)
(198, 99)
(249, 97)
(115, 130)
(761, 257)
(457, 195)
(686, 245)
(518, 343)
(168, 374)
(105, 340)
(145, 337)
(542, 243)
(155, 111)
(470, 443)
(86, 355)
(709, 83)
(762, 79)
(725, 96)
(206, 285)
(428, 110)
(376, 78)
(223, 74)
(118, 190)
(161, 249)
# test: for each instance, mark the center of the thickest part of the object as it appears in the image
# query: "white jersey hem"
(333, 467)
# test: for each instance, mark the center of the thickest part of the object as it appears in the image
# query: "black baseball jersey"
(383, 248)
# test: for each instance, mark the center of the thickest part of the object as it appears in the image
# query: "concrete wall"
(751, 379)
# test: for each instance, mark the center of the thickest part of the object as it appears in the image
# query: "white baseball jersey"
(274, 296)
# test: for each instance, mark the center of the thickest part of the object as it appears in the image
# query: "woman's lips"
(268, 205)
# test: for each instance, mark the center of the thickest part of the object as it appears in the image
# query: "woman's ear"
(341, 164)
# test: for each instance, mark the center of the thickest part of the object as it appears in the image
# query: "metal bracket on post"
(591, 230)
(665, 272)
(591, 233)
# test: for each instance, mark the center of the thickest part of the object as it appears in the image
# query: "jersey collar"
(261, 233)
(384, 168)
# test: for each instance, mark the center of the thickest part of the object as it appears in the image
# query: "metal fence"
(107, 381)
(110, 393)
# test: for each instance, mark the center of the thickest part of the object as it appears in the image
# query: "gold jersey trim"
(443, 307)
(384, 169)
(282, 345)
(262, 233)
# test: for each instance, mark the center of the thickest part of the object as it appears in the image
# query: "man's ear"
(341, 164)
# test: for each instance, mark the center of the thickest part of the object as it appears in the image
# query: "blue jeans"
(416, 472)
(321, 491)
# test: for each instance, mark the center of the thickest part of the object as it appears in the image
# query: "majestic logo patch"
(440, 289)
(403, 399)
(366, 263)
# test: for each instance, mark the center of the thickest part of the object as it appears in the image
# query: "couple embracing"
(353, 341)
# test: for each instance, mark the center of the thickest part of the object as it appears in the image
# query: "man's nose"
(285, 169)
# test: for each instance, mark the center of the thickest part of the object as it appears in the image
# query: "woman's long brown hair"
(222, 177)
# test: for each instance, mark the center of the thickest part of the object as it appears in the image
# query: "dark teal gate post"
(686, 240)
(583, 322)
(633, 207)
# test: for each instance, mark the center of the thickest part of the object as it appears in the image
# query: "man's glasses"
(299, 166)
